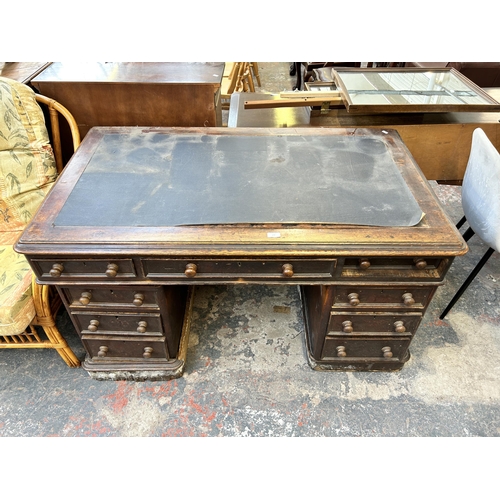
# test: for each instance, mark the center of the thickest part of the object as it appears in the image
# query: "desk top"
(79, 217)
(157, 179)
(201, 73)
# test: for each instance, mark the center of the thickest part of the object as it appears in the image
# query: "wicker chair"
(27, 309)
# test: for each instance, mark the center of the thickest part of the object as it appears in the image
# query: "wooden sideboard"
(146, 94)
(139, 216)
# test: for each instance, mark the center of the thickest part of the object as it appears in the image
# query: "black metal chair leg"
(461, 222)
(467, 282)
(468, 234)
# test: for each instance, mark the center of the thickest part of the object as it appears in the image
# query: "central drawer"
(121, 324)
(239, 269)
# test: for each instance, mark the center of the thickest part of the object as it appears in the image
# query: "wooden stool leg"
(255, 69)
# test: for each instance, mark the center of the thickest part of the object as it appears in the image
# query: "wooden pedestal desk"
(140, 216)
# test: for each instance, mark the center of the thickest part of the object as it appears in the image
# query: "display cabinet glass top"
(402, 90)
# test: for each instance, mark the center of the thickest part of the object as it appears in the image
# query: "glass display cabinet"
(410, 90)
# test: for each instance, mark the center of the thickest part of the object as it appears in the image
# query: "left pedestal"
(132, 333)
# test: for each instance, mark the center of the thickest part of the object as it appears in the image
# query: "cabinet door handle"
(287, 270)
(103, 350)
(399, 327)
(347, 327)
(142, 325)
(353, 299)
(147, 352)
(341, 351)
(408, 299)
(93, 326)
(191, 270)
(138, 299)
(85, 298)
(387, 353)
(56, 270)
(111, 270)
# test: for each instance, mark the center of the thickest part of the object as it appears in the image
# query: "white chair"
(480, 202)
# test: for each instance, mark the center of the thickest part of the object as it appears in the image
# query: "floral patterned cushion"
(27, 172)
(27, 165)
(16, 304)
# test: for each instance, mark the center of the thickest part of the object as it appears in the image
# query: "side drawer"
(395, 269)
(240, 269)
(367, 348)
(120, 324)
(360, 297)
(74, 269)
(344, 323)
(129, 298)
(103, 347)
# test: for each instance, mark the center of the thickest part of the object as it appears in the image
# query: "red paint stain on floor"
(120, 398)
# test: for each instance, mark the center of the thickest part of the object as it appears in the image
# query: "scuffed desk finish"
(125, 284)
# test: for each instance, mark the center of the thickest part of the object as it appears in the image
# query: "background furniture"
(22, 72)
(28, 171)
(123, 265)
(147, 94)
(439, 142)
(484, 74)
(238, 77)
(481, 202)
(304, 71)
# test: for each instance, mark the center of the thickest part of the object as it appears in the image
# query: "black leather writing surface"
(169, 180)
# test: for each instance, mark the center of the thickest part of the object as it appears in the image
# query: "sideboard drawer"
(104, 348)
(128, 298)
(102, 269)
(379, 323)
(109, 323)
(238, 269)
(366, 348)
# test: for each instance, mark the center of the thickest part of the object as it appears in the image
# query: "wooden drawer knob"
(408, 299)
(420, 263)
(347, 327)
(147, 352)
(142, 327)
(111, 270)
(103, 350)
(138, 299)
(190, 270)
(85, 298)
(353, 299)
(56, 270)
(93, 326)
(387, 353)
(287, 270)
(341, 351)
(399, 327)
(364, 263)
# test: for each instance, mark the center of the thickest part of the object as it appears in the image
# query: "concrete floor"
(247, 373)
